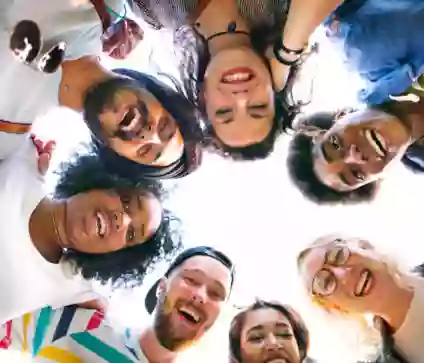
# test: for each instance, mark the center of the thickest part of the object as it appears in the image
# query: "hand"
(120, 44)
(45, 151)
(279, 71)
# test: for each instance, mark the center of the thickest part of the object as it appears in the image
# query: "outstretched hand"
(45, 151)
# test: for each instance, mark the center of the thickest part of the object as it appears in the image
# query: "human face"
(239, 97)
(190, 302)
(358, 149)
(348, 274)
(267, 337)
(101, 221)
(136, 124)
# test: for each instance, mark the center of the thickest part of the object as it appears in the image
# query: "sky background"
(250, 211)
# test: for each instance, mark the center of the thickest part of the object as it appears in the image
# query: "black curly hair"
(128, 266)
(300, 164)
(300, 330)
(192, 68)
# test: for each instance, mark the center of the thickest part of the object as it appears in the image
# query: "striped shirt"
(69, 335)
(174, 13)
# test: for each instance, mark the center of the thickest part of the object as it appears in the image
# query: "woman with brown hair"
(268, 331)
(238, 60)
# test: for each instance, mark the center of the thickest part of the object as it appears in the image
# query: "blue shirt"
(382, 40)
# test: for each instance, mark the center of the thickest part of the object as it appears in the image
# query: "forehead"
(209, 267)
(264, 317)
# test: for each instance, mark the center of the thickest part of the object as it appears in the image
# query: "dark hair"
(300, 330)
(184, 113)
(195, 58)
(300, 163)
(128, 266)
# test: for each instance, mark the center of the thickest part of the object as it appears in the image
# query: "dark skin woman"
(343, 157)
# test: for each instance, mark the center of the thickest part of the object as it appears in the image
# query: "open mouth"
(377, 142)
(363, 287)
(101, 224)
(237, 76)
(190, 316)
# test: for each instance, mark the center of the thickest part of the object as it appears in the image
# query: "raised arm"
(303, 18)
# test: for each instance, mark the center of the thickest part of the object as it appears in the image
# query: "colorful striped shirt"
(69, 335)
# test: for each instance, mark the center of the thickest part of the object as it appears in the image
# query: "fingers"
(44, 163)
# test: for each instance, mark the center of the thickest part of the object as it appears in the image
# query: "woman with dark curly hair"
(142, 127)
(238, 63)
(268, 331)
(343, 157)
(96, 226)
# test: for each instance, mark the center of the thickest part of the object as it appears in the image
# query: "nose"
(150, 133)
(355, 156)
(342, 274)
(121, 221)
(200, 294)
(271, 342)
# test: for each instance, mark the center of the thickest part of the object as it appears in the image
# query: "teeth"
(362, 283)
(191, 313)
(101, 224)
(374, 144)
(237, 77)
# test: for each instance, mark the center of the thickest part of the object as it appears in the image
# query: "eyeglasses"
(324, 282)
(26, 44)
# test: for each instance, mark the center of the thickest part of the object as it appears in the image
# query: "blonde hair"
(358, 331)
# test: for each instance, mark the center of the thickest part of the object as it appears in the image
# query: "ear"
(365, 245)
(161, 286)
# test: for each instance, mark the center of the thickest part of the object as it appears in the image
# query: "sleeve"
(69, 334)
(84, 42)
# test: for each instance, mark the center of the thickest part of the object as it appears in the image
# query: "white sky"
(251, 212)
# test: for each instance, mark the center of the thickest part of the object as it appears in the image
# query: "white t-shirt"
(409, 338)
(25, 92)
(27, 281)
(78, 334)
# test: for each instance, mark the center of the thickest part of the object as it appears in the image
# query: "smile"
(101, 224)
(237, 76)
(377, 142)
(364, 285)
(190, 315)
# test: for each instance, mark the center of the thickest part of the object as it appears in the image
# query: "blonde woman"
(349, 277)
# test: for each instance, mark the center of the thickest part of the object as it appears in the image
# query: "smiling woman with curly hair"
(96, 226)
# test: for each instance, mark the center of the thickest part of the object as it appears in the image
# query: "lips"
(190, 315)
(276, 357)
(376, 141)
(365, 283)
(102, 224)
(237, 76)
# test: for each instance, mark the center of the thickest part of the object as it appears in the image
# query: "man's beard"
(100, 97)
(166, 333)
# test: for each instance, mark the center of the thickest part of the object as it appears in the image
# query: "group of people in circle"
(238, 61)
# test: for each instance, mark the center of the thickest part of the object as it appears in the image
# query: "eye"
(285, 335)
(261, 106)
(358, 175)
(190, 281)
(222, 111)
(334, 142)
(130, 234)
(256, 338)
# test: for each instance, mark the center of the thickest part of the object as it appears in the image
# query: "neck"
(153, 350)
(43, 229)
(77, 78)
(395, 307)
(215, 19)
